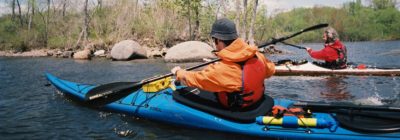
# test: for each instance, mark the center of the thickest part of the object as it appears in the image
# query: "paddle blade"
(369, 121)
(108, 93)
(316, 27)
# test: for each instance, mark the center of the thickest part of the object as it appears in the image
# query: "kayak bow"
(311, 69)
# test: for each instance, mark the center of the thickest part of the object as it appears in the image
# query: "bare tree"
(47, 23)
(48, 11)
(19, 12)
(244, 29)
(224, 9)
(13, 9)
(220, 12)
(196, 7)
(31, 4)
(136, 9)
(85, 29)
(217, 12)
(28, 10)
(86, 21)
(237, 18)
(64, 7)
(197, 23)
(253, 19)
(189, 19)
(100, 4)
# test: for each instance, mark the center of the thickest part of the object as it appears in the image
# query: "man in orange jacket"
(238, 79)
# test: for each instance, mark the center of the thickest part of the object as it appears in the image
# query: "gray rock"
(271, 49)
(84, 55)
(156, 52)
(100, 53)
(3, 53)
(189, 52)
(127, 49)
(67, 54)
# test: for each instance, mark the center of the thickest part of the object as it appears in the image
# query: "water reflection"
(336, 89)
(395, 52)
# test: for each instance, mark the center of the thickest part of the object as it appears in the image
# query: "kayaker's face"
(219, 45)
(325, 37)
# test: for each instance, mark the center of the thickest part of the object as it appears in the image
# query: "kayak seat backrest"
(208, 102)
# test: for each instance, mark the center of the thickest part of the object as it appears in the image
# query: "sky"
(276, 6)
(3, 8)
(273, 6)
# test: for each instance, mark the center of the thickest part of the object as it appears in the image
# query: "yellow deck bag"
(157, 85)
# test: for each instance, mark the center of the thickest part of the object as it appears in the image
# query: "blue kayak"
(163, 106)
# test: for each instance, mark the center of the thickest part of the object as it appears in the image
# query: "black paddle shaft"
(274, 41)
(108, 95)
(116, 88)
(327, 106)
(171, 74)
(296, 46)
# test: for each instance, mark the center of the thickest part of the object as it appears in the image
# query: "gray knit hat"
(224, 29)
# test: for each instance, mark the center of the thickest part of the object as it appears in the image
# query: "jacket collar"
(237, 51)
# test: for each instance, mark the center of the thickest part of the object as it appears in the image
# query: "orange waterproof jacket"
(226, 75)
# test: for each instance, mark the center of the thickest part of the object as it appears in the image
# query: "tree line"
(69, 24)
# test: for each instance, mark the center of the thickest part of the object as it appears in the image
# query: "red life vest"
(341, 61)
(253, 74)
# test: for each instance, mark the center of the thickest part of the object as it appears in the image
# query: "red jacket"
(329, 54)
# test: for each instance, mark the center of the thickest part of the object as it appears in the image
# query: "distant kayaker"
(334, 53)
(238, 79)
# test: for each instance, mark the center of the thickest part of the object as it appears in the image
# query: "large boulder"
(189, 52)
(126, 50)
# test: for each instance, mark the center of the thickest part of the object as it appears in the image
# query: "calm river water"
(31, 110)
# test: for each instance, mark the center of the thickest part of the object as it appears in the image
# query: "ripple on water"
(369, 101)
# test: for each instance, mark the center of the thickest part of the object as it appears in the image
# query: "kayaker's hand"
(308, 49)
(175, 69)
(206, 60)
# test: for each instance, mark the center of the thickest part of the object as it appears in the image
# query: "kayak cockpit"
(207, 102)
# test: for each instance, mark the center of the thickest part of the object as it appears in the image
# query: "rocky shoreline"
(67, 53)
(129, 50)
(33, 53)
(124, 51)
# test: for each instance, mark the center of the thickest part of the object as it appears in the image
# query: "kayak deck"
(311, 69)
(160, 106)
